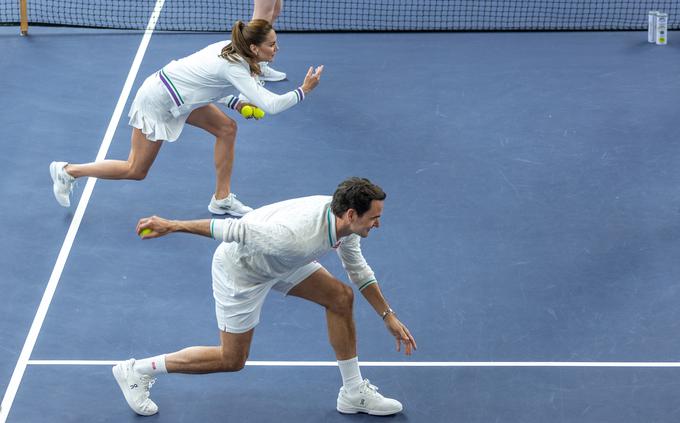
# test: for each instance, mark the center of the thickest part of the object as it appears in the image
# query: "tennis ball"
(247, 111)
(146, 231)
(258, 113)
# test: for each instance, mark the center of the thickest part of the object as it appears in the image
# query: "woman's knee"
(137, 173)
(227, 129)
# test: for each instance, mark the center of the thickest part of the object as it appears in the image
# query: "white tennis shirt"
(279, 238)
(204, 77)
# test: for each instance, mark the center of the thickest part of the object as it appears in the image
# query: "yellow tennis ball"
(258, 113)
(246, 111)
(146, 231)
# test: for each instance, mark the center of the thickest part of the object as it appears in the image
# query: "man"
(276, 246)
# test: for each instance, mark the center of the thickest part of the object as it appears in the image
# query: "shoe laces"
(367, 388)
(237, 203)
(66, 179)
(234, 199)
(147, 382)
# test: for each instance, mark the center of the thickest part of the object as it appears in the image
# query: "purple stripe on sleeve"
(301, 94)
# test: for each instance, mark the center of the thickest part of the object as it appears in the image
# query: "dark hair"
(242, 36)
(355, 193)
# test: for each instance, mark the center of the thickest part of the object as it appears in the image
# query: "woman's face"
(266, 51)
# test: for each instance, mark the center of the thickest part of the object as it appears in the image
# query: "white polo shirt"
(279, 238)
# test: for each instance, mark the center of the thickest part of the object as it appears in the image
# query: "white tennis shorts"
(150, 112)
(239, 298)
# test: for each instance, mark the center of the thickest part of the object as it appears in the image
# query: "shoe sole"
(117, 374)
(222, 212)
(53, 174)
(273, 79)
(354, 410)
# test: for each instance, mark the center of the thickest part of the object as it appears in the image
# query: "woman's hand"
(311, 79)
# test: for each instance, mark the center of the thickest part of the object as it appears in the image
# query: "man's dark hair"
(355, 193)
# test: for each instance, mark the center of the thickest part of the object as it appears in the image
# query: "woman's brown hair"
(242, 36)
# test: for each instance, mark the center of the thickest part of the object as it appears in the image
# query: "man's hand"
(401, 334)
(157, 225)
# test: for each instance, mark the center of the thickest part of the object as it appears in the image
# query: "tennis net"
(351, 15)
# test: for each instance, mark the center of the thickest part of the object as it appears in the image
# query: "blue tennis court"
(529, 239)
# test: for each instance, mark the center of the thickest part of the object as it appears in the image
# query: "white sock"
(151, 366)
(351, 373)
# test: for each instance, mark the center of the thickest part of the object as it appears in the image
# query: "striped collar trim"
(330, 218)
(176, 97)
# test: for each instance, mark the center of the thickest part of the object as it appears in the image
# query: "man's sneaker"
(135, 387)
(271, 74)
(62, 183)
(230, 205)
(366, 399)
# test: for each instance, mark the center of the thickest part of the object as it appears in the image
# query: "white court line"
(39, 318)
(398, 363)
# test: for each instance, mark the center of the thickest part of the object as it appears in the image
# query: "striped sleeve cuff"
(367, 284)
(231, 102)
(300, 94)
(217, 228)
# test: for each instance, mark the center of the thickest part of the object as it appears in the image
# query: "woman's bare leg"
(142, 155)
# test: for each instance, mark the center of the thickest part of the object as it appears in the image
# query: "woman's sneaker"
(270, 74)
(135, 387)
(62, 183)
(366, 399)
(229, 205)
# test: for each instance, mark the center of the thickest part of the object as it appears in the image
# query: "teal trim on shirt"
(371, 282)
(330, 236)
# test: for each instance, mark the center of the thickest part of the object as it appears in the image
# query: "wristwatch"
(387, 313)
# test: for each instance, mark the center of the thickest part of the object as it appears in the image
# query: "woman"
(269, 10)
(184, 91)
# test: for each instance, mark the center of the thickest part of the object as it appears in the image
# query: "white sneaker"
(271, 74)
(366, 399)
(229, 205)
(62, 183)
(135, 387)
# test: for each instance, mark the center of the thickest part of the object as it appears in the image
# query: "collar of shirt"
(332, 232)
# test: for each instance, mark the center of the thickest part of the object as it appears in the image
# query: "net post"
(23, 12)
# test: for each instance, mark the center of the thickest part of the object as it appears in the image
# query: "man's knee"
(344, 300)
(233, 362)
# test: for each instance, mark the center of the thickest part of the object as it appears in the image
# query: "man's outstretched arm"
(160, 227)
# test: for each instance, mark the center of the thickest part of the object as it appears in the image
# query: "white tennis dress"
(166, 98)
(276, 246)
